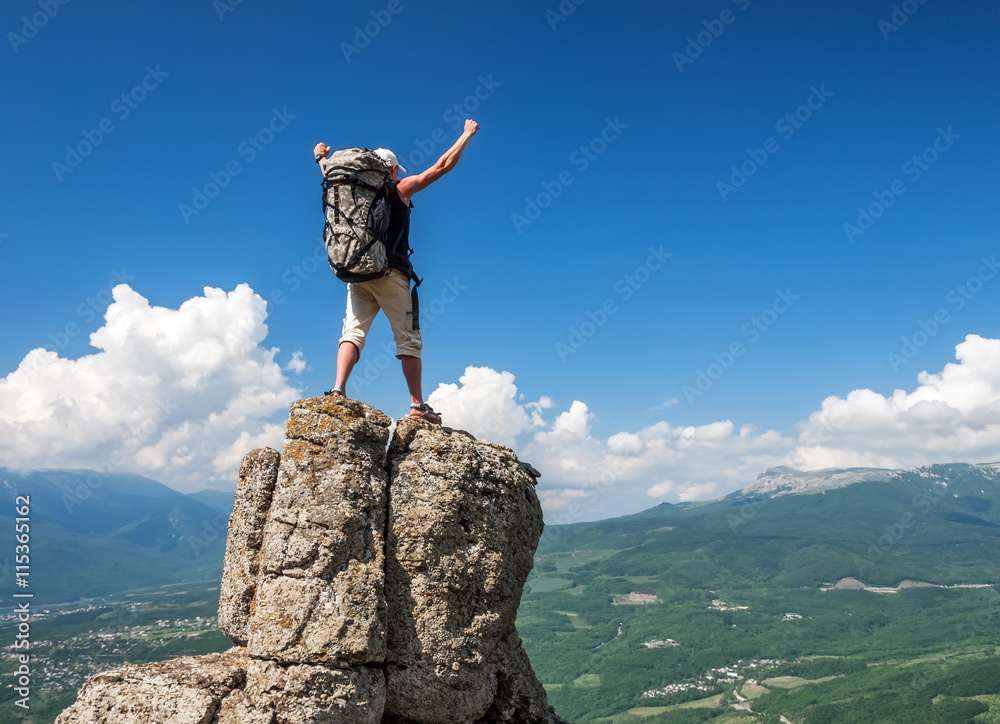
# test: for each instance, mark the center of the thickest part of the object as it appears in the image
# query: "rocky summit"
(367, 580)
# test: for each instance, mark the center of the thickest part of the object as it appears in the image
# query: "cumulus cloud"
(485, 403)
(586, 477)
(949, 417)
(698, 492)
(660, 490)
(296, 364)
(181, 394)
(175, 394)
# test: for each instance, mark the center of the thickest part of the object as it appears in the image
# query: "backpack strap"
(414, 297)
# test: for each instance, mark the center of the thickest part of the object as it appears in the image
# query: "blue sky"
(630, 123)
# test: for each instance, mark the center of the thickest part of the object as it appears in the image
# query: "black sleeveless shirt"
(398, 236)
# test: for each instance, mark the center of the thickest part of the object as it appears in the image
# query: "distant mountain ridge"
(874, 573)
(783, 480)
(935, 523)
(92, 533)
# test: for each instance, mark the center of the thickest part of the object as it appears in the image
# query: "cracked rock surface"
(187, 690)
(464, 522)
(319, 597)
(366, 580)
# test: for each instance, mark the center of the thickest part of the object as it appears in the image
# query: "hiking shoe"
(425, 411)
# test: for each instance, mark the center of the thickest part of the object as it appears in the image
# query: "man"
(391, 293)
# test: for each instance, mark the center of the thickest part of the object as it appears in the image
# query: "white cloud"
(584, 477)
(485, 405)
(296, 364)
(175, 394)
(625, 443)
(669, 403)
(951, 416)
(181, 394)
(698, 491)
(660, 489)
(575, 422)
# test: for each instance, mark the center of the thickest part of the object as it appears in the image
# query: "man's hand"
(322, 149)
(412, 184)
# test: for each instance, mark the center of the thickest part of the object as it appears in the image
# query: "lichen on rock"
(366, 580)
(464, 522)
(187, 690)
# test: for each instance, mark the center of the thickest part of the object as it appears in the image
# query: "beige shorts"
(391, 294)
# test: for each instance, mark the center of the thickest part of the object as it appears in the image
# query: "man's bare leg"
(412, 372)
(347, 357)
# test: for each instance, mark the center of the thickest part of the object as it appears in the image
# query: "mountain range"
(93, 534)
(871, 579)
(826, 596)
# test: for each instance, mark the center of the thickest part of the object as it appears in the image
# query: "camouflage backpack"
(357, 214)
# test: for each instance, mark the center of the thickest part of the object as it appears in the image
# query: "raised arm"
(319, 152)
(412, 184)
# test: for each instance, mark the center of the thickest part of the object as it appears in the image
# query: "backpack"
(355, 183)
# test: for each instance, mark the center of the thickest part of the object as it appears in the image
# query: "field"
(749, 596)
(725, 612)
(71, 642)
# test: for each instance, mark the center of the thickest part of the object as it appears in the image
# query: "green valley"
(873, 601)
(824, 598)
